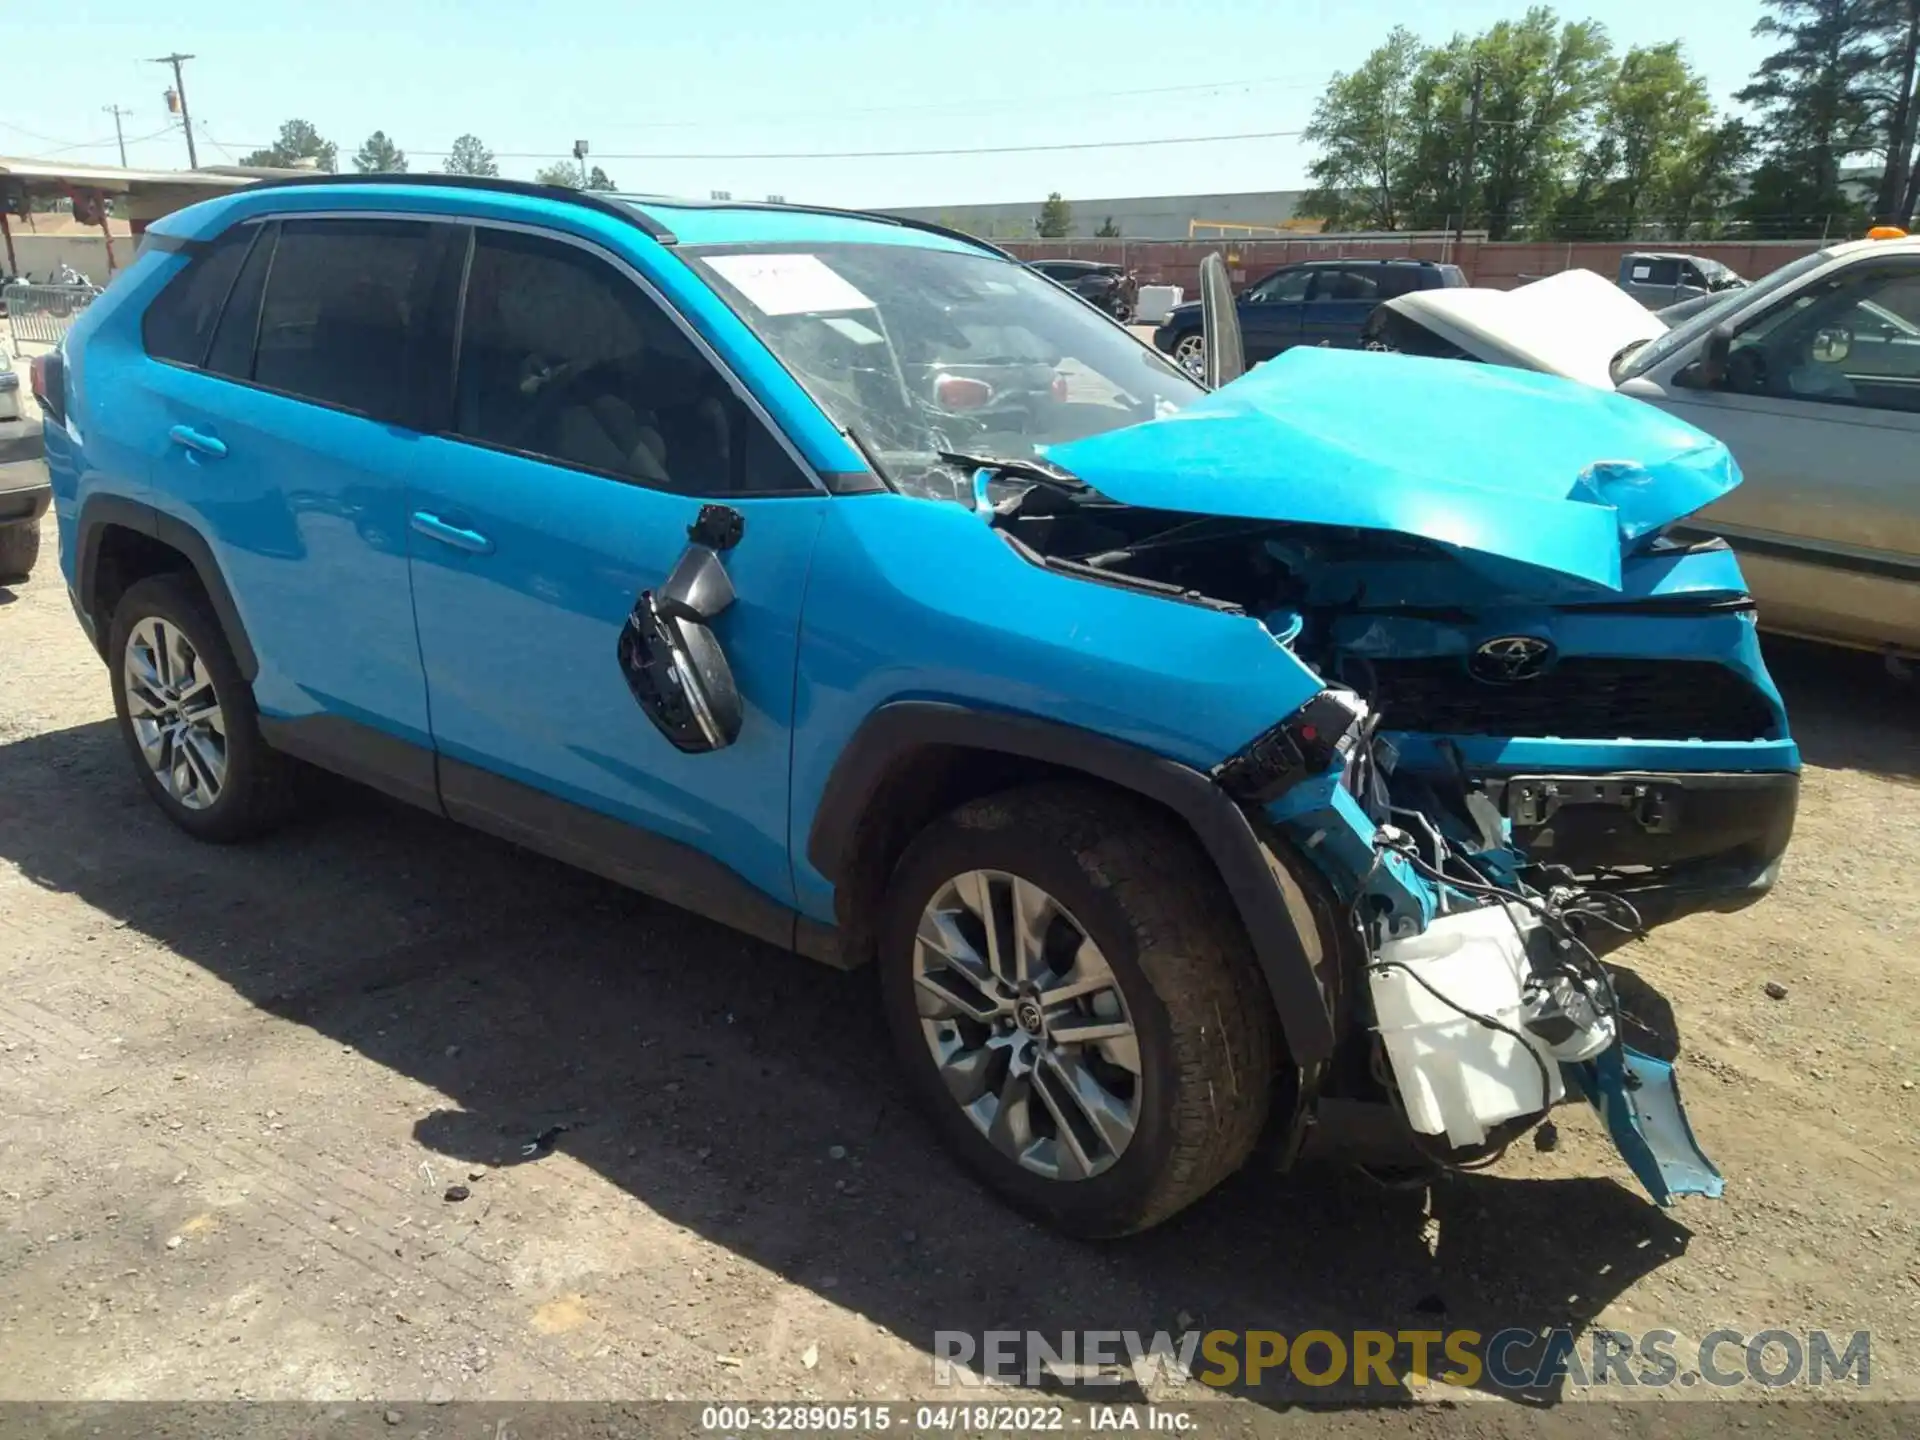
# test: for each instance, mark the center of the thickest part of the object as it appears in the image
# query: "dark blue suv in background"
(1316, 302)
(1166, 752)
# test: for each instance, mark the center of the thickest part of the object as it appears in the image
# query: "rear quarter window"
(180, 321)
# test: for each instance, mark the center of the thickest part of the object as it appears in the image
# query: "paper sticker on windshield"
(1641, 272)
(788, 284)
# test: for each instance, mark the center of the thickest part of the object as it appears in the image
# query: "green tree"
(470, 156)
(1056, 218)
(1816, 97)
(1363, 127)
(380, 156)
(567, 173)
(1541, 80)
(1706, 179)
(1653, 114)
(1108, 230)
(298, 141)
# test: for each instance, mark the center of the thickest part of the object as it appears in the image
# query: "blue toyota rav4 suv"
(1201, 770)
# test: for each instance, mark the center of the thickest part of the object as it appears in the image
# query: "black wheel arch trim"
(99, 512)
(891, 735)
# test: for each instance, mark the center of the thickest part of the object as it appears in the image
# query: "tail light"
(961, 392)
(47, 378)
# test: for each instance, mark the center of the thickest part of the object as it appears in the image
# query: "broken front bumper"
(1674, 844)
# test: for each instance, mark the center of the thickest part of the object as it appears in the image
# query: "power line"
(879, 154)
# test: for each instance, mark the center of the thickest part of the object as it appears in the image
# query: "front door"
(588, 433)
(1820, 404)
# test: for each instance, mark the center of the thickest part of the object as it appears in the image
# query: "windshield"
(916, 352)
(1643, 357)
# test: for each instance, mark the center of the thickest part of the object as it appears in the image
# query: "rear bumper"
(25, 490)
(1673, 843)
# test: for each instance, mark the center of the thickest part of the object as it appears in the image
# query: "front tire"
(188, 718)
(1076, 1006)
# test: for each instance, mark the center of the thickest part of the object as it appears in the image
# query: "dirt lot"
(237, 1082)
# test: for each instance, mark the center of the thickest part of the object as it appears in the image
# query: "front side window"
(1288, 287)
(344, 311)
(1851, 340)
(1642, 357)
(916, 352)
(565, 358)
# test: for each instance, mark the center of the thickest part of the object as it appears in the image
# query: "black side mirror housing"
(1709, 372)
(672, 662)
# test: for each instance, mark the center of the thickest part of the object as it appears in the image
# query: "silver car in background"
(1811, 375)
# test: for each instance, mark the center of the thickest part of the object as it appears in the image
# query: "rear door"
(286, 440)
(588, 430)
(1338, 305)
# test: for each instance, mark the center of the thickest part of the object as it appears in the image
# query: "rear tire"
(1101, 869)
(19, 548)
(188, 718)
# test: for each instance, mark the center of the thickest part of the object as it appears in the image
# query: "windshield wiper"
(1030, 468)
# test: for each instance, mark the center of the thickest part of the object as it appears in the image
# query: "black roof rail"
(878, 216)
(591, 199)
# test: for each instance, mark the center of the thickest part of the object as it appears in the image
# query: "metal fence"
(42, 314)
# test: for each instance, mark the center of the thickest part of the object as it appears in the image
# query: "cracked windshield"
(920, 353)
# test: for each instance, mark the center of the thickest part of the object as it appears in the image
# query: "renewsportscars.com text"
(1512, 1359)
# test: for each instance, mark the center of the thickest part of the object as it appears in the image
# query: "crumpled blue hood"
(1494, 463)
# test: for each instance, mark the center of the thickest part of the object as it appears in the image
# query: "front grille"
(1580, 698)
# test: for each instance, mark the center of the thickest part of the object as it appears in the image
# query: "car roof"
(669, 220)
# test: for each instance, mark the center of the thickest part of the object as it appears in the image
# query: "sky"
(767, 97)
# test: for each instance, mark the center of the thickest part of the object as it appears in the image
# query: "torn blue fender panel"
(1496, 464)
(1639, 1099)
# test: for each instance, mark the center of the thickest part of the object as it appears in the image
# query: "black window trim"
(272, 222)
(1887, 265)
(815, 483)
(843, 484)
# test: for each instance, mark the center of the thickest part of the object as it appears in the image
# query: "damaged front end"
(1544, 724)
(1484, 1003)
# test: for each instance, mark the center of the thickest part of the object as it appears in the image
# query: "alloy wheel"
(1027, 1025)
(1190, 352)
(175, 713)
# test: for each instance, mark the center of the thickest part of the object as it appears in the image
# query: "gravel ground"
(238, 1084)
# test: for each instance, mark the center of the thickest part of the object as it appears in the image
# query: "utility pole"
(179, 97)
(580, 157)
(1466, 165)
(118, 133)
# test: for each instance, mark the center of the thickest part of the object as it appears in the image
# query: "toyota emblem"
(1507, 659)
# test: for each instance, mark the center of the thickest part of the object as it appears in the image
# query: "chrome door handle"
(211, 446)
(434, 528)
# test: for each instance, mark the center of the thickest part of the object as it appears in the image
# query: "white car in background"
(1811, 375)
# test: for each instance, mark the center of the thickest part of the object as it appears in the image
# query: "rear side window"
(344, 307)
(179, 322)
(231, 353)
